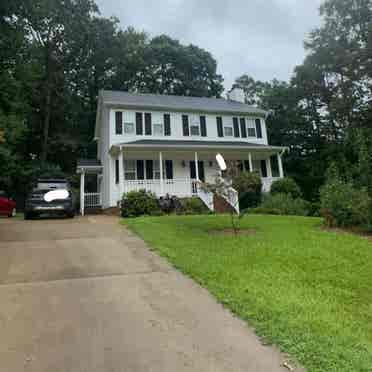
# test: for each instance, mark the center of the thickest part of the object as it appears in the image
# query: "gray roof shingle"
(178, 103)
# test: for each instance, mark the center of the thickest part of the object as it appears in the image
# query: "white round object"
(221, 162)
(56, 195)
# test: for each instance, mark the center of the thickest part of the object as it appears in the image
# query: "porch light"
(211, 164)
(183, 163)
(221, 162)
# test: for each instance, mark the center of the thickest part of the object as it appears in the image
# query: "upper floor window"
(195, 126)
(128, 128)
(158, 129)
(228, 129)
(251, 129)
(118, 122)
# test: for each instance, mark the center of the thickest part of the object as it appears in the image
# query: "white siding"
(176, 127)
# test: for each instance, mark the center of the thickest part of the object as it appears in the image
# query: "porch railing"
(92, 199)
(178, 187)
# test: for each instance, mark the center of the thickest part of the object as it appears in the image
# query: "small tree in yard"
(247, 185)
(223, 189)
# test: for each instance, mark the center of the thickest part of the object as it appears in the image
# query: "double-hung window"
(158, 129)
(195, 126)
(128, 128)
(251, 128)
(130, 169)
(157, 124)
(228, 129)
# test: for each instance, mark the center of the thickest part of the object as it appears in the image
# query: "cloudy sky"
(263, 38)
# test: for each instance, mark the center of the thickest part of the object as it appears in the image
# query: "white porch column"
(268, 166)
(82, 191)
(121, 175)
(280, 164)
(250, 162)
(161, 173)
(196, 166)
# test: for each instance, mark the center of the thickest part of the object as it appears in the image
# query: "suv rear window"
(52, 184)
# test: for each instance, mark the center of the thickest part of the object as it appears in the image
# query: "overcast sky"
(263, 38)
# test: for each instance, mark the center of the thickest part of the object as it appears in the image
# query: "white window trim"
(229, 126)
(162, 129)
(251, 125)
(125, 126)
(131, 171)
(194, 121)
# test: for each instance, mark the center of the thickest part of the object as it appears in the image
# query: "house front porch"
(171, 170)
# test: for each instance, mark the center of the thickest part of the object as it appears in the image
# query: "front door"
(200, 169)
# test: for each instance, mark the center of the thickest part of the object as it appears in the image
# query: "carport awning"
(88, 166)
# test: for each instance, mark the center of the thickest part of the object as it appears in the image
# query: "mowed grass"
(304, 289)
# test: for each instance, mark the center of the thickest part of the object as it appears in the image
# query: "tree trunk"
(48, 100)
(44, 149)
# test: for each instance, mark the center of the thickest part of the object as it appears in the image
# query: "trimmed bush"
(343, 205)
(249, 187)
(286, 186)
(139, 203)
(283, 204)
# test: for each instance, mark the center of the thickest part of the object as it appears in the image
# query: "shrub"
(262, 210)
(169, 204)
(194, 206)
(249, 187)
(139, 203)
(343, 205)
(286, 186)
(285, 204)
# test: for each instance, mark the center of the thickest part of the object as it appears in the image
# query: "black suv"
(52, 196)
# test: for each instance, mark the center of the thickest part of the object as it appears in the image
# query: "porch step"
(93, 211)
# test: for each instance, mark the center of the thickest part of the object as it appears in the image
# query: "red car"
(7, 205)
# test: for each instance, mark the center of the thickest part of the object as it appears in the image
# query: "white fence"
(92, 199)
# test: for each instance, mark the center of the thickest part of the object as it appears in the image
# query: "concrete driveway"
(86, 295)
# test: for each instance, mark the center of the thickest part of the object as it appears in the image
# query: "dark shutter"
(274, 165)
(243, 128)
(203, 126)
(236, 127)
(263, 168)
(169, 169)
(201, 171)
(139, 124)
(192, 170)
(148, 124)
(140, 170)
(117, 171)
(258, 128)
(246, 165)
(149, 169)
(167, 125)
(219, 126)
(185, 125)
(118, 122)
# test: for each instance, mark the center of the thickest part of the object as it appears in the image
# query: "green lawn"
(304, 289)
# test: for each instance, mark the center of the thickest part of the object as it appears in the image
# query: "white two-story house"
(166, 144)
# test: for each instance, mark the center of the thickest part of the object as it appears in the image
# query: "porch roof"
(88, 165)
(194, 144)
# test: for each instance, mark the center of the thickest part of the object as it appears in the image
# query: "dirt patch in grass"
(233, 232)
